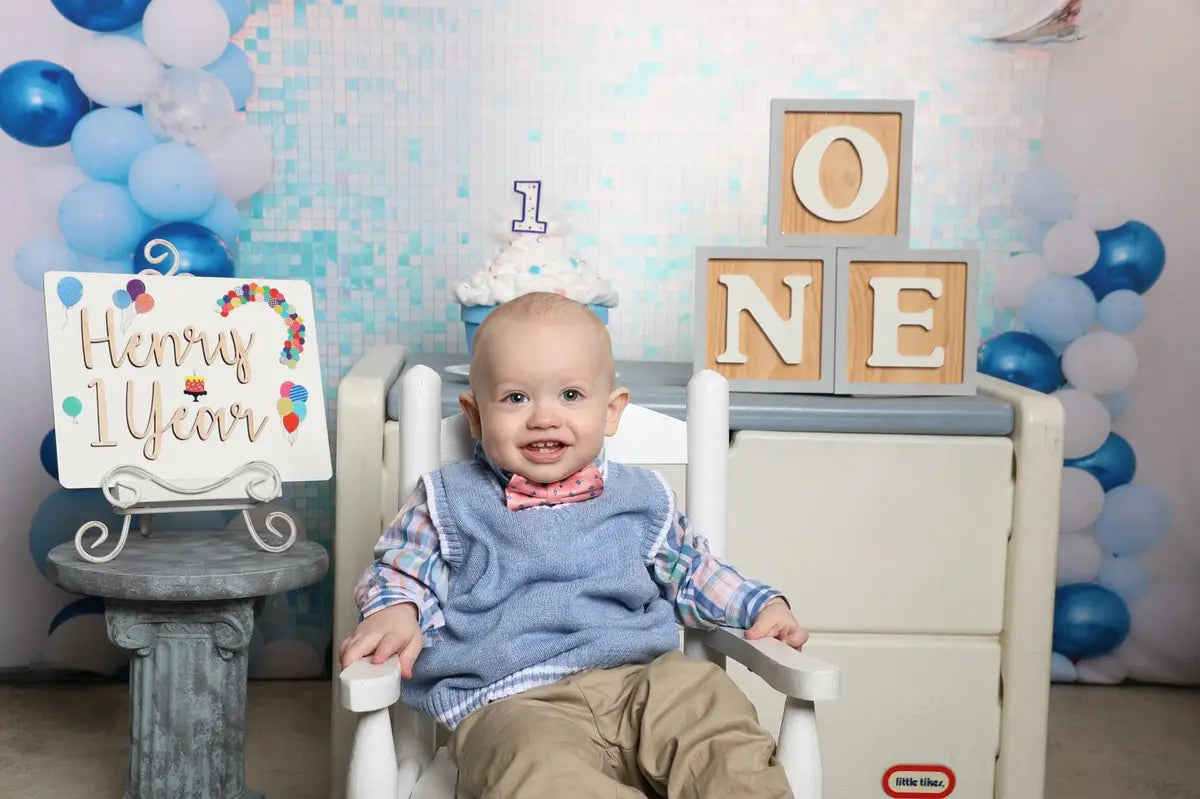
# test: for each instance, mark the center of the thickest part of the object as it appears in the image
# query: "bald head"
(547, 310)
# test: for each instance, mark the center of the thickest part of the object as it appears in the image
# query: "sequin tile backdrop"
(400, 129)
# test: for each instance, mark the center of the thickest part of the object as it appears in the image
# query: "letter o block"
(906, 322)
(840, 172)
(764, 317)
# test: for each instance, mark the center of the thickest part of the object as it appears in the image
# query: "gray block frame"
(828, 257)
(779, 109)
(847, 255)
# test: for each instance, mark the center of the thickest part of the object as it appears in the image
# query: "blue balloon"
(1128, 578)
(1089, 621)
(298, 394)
(121, 299)
(40, 102)
(173, 181)
(1135, 519)
(1058, 308)
(44, 254)
(103, 16)
(49, 454)
(1113, 464)
(201, 252)
(1117, 403)
(70, 290)
(102, 220)
(1023, 359)
(85, 606)
(234, 70)
(106, 142)
(223, 218)
(1121, 311)
(238, 12)
(1132, 257)
(1044, 195)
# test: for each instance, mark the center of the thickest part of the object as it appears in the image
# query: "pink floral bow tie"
(522, 493)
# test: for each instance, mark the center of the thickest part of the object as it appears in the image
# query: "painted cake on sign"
(534, 256)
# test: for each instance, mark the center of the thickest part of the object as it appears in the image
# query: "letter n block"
(841, 173)
(906, 322)
(764, 317)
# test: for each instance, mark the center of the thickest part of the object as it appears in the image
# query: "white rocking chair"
(394, 751)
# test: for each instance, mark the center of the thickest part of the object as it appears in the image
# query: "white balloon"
(1100, 211)
(186, 33)
(1014, 277)
(1104, 670)
(1062, 669)
(1082, 501)
(1070, 248)
(50, 183)
(189, 105)
(1086, 423)
(116, 71)
(242, 159)
(1100, 362)
(1079, 558)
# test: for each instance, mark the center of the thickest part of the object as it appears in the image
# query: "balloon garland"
(150, 111)
(1076, 293)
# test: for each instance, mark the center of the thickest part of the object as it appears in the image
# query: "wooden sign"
(769, 315)
(906, 322)
(840, 172)
(187, 378)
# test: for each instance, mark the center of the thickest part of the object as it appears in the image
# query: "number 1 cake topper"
(530, 221)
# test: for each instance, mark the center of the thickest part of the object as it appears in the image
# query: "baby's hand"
(775, 620)
(390, 631)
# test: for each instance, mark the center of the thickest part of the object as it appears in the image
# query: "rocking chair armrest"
(789, 671)
(367, 686)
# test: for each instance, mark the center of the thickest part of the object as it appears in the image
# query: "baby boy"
(532, 592)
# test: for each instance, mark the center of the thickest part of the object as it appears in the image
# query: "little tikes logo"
(918, 782)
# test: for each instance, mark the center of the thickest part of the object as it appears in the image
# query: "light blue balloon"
(107, 140)
(121, 299)
(1058, 308)
(173, 182)
(70, 291)
(102, 220)
(1117, 403)
(44, 254)
(1135, 519)
(235, 71)
(1121, 311)
(115, 266)
(1044, 195)
(223, 218)
(1127, 577)
(238, 12)
(1033, 234)
(300, 409)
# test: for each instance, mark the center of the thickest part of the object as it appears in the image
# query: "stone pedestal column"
(187, 696)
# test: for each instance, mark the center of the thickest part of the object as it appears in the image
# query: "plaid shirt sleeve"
(408, 566)
(705, 590)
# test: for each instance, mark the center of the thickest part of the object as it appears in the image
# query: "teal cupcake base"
(473, 316)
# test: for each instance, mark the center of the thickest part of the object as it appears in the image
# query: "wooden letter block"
(764, 317)
(840, 172)
(906, 322)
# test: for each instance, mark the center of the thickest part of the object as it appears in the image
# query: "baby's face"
(543, 399)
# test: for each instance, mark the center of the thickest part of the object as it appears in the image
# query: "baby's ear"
(617, 402)
(470, 409)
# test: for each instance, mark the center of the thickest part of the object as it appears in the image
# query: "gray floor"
(69, 742)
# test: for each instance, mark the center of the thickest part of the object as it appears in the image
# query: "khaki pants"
(674, 727)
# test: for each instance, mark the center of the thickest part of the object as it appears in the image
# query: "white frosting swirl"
(533, 262)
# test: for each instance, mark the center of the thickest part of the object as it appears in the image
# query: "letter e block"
(764, 317)
(906, 322)
(841, 173)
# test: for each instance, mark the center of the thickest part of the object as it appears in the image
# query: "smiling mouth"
(544, 451)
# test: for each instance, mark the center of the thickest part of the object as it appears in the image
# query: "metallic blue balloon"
(1021, 358)
(1132, 257)
(1113, 464)
(200, 251)
(40, 102)
(104, 16)
(1089, 620)
(49, 455)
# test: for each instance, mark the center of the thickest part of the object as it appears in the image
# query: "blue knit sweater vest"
(537, 594)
